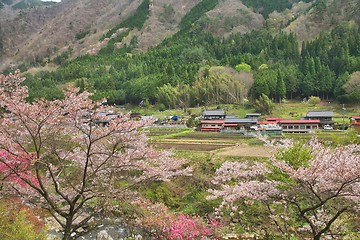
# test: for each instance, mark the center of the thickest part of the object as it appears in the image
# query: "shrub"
(314, 100)
(17, 225)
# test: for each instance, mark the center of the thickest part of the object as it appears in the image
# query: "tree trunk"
(67, 229)
(317, 237)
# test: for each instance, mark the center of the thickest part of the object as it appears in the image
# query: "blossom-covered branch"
(68, 153)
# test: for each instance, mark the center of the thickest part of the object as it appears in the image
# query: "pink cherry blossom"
(311, 177)
(56, 154)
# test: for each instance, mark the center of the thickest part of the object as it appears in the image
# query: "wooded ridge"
(184, 53)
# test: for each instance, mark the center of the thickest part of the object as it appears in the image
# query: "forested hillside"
(196, 67)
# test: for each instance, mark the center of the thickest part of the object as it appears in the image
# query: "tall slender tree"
(280, 86)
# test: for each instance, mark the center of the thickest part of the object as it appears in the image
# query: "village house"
(215, 125)
(214, 114)
(213, 120)
(325, 117)
(299, 126)
(273, 126)
(234, 124)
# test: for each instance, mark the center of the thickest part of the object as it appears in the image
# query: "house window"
(302, 127)
(296, 127)
(291, 127)
(308, 127)
(284, 127)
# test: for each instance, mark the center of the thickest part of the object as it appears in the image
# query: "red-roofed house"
(211, 125)
(299, 126)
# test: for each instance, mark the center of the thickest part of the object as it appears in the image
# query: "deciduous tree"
(80, 168)
(319, 183)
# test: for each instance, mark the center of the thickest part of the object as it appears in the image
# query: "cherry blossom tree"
(55, 154)
(319, 183)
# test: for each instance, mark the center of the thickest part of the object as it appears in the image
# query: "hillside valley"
(129, 51)
(33, 31)
(180, 119)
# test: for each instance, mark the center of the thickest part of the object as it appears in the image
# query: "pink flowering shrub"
(16, 168)
(185, 227)
(160, 223)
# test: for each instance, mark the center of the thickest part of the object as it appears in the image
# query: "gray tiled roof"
(217, 112)
(320, 114)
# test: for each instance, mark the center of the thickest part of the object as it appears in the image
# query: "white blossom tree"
(53, 154)
(319, 183)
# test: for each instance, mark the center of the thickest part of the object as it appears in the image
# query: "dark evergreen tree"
(280, 86)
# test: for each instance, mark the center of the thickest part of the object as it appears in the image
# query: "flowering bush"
(185, 227)
(16, 168)
(160, 223)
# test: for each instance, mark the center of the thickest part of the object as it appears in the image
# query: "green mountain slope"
(194, 64)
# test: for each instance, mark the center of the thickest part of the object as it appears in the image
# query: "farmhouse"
(299, 126)
(214, 114)
(211, 125)
(234, 124)
(325, 117)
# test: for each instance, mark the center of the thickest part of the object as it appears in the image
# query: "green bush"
(161, 107)
(16, 226)
(314, 100)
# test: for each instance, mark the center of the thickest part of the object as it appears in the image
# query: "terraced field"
(219, 143)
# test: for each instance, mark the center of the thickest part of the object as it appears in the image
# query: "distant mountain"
(36, 31)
